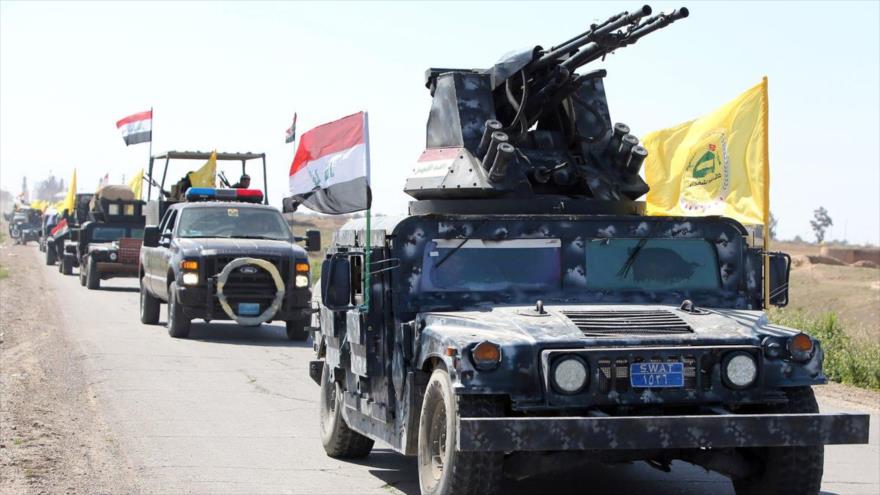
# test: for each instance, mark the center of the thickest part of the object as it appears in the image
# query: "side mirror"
(336, 283)
(313, 241)
(151, 236)
(780, 267)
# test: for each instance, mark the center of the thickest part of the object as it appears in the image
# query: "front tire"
(50, 254)
(786, 470)
(178, 323)
(67, 264)
(444, 470)
(149, 306)
(93, 278)
(338, 439)
(296, 329)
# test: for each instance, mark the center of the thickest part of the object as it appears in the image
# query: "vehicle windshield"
(108, 234)
(233, 221)
(651, 264)
(536, 265)
(482, 265)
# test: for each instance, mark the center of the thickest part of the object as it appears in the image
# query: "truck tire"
(50, 254)
(93, 279)
(786, 470)
(339, 440)
(178, 323)
(67, 264)
(296, 329)
(149, 306)
(82, 273)
(444, 470)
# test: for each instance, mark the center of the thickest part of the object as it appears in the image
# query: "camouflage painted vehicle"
(527, 315)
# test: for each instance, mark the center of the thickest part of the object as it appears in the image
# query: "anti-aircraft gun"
(531, 125)
(527, 316)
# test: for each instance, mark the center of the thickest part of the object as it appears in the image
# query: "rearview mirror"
(336, 283)
(151, 236)
(313, 241)
(780, 267)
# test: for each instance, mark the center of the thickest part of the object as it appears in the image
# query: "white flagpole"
(367, 264)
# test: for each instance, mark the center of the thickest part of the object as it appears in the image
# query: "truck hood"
(523, 325)
(239, 247)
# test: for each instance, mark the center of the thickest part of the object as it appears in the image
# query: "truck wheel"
(786, 470)
(149, 306)
(93, 279)
(50, 254)
(444, 470)
(339, 440)
(67, 265)
(296, 329)
(82, 273)
(178, 323)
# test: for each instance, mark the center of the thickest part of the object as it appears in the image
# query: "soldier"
(243, 183)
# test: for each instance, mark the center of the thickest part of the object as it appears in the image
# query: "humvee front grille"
(632, 322)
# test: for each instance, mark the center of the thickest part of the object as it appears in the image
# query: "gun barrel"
(660, 22)
(614, 22)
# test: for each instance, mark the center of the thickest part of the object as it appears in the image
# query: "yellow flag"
(136, 184)
(206, 175)
(714, 165)
(70, 200)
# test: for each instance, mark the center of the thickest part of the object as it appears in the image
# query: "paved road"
(232, 410)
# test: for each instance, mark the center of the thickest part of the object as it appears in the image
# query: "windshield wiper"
(631, 260)
(456, 248)
(256, 237)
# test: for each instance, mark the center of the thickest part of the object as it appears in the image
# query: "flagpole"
(150, 158)
(367, 264)
(766, 111)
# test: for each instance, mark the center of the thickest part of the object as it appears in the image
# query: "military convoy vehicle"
(221, 255)
(527, 315)
(24, 225)
(62, 237)
(108, 244)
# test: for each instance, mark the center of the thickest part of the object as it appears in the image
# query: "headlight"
(486, 355)
(569, 375)
(113, 256)
(740, 370)
(302, 281)
(190, 278)
(800, 347)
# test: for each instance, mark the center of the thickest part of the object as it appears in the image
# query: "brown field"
(851, 292)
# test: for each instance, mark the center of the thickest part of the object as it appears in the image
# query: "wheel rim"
(437, 440)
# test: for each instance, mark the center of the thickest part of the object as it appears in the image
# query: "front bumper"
(112, 269)
(660, 432)
(202, 302)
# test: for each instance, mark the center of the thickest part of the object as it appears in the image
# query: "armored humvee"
(528, 316)
(62, 236)
(108, 244)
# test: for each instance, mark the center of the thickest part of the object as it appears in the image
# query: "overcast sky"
(230, 75)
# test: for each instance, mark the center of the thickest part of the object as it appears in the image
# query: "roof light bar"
(212, 194)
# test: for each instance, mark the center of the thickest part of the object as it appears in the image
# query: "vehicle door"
(160, 256)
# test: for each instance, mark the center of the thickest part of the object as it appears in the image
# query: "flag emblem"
(136, 128)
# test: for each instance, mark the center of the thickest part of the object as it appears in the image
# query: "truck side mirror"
(780, 267)
(151, 236)
(313, 241)
(336, 283)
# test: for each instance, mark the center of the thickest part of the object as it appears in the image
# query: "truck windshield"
(481, 265)
(651, 264)
(233, 221)
(108, 234)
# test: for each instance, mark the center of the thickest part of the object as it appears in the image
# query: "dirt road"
(232, 410)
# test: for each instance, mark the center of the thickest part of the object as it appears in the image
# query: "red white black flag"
(290, 133)
(137, 128)
(330, 172)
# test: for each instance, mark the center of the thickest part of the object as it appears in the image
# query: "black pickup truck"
(223, 256)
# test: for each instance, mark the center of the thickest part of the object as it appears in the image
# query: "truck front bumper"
(660, 432)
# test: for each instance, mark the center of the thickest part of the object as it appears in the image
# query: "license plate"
(656, 375)
(248, 309)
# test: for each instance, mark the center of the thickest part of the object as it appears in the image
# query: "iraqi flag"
(330, 172)
(137, 128)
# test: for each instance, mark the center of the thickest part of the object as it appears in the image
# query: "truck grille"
(243, 287)
(635, 322)
(614, 372)
(129, 250)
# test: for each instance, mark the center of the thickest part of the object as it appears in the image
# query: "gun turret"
(533, 125)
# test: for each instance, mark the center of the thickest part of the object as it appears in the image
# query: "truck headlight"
(302, 281)
(113, 256)
(740, 369)
(190, 278)
(569, 375)
(486, 355)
